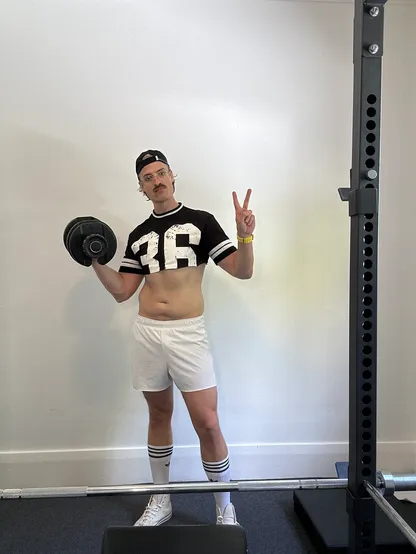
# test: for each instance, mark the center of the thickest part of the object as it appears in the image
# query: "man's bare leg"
(202, 407)
(160, 449)
(160, 406)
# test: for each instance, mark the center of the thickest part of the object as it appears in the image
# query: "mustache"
(157, 187)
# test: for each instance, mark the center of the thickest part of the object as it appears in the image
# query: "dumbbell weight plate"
(71, 225)
(108, 239)
(76, 237)
(73, 244)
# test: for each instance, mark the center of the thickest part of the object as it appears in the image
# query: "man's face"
(156, 181)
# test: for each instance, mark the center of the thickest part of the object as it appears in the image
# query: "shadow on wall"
(52, 180)
(280, 340)
(98, 347)
(250, 362)
(314, 276)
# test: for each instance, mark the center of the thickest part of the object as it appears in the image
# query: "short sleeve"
(217, 244)
(129, 263)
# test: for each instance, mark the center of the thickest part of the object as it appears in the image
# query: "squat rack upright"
(363, 200)
(363, 211)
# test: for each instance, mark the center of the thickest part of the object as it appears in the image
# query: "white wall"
(253, 94)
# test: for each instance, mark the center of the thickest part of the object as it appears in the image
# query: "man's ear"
(172, 176)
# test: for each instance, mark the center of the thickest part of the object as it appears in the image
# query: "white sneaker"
(228, 517)
(158, 510)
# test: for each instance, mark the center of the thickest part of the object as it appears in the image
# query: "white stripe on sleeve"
(220, 248)
(127, 262)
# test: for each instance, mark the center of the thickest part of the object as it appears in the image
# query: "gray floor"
(76, 525)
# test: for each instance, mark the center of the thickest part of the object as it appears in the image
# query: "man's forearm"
(244, 261)
(112, 280)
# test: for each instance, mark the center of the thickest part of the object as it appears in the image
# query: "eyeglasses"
(150, 177)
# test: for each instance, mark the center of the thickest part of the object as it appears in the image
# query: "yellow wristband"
(246, 240)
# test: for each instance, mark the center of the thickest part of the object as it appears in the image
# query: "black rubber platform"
(323, 514)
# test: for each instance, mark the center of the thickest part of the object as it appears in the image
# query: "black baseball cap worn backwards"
(149, 157)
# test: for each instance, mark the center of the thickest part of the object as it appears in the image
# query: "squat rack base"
(324, 517)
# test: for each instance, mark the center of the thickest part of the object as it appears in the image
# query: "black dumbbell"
(87, 238)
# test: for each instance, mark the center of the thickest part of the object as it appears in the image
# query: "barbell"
(387, 483)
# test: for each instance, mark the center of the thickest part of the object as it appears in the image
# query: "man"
(167, 253)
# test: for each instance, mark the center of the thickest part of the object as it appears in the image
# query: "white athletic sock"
(159, 458)
(219, 472)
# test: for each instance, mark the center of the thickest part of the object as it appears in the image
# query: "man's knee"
(159, 416)
(160, 408)
(207, 424)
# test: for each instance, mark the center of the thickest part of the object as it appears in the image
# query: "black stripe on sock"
(217, 467)
(217, 471)
(159, 453)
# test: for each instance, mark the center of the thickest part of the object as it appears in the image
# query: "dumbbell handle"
(95, 246)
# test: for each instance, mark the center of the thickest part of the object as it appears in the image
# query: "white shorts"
(171, 351)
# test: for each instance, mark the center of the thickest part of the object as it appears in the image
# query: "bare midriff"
(173, 294)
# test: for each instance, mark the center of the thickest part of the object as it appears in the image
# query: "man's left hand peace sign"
(244, 217)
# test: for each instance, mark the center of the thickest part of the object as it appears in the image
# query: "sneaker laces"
(228, 515)
(151, 509)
